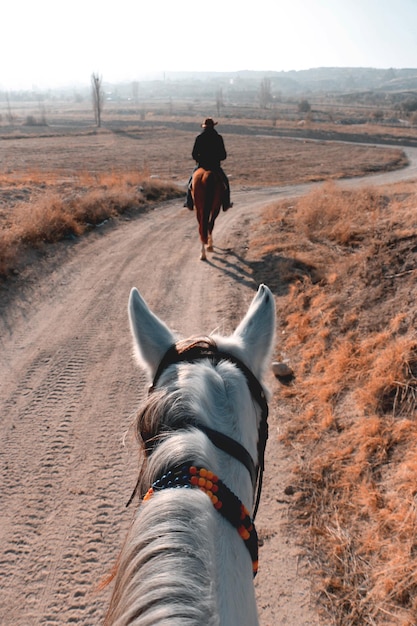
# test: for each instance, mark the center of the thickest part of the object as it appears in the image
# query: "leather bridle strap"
(232, 447)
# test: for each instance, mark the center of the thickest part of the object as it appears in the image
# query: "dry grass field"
(56, 180)
(343, 264)
(349, 259)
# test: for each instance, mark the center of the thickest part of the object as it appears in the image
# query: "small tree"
(42, 110)
(304, 106)
(378, 115)
(219, 100)
(135, 91)
(98, 97)
(10, 116)
(265, 94)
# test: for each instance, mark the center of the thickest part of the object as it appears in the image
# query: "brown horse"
(207, 192)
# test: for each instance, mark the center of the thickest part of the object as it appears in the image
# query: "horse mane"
(166, 415)
(181, 557)
(178, 587)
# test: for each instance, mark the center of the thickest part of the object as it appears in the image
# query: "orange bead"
(201, 482)
(203, 472)
(243, 532)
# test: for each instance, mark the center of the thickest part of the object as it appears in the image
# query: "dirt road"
(69, 387)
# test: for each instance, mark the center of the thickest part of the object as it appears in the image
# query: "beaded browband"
(223, 499)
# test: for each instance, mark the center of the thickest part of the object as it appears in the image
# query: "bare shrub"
(97, 95)
(338, 215)
(10, 250)
(48, 220)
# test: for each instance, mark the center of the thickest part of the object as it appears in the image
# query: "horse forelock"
(183, 345)
(166, 410)
(167, 401)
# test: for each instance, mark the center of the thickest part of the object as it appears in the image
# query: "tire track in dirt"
(57, 385)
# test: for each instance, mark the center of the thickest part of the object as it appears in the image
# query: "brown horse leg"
(210, 243)
(203, 256)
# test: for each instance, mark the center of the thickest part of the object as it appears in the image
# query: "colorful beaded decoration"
(224, 501)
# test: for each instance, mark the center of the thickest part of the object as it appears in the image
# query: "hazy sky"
(47, 43)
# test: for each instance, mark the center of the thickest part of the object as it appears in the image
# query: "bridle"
(225, 443)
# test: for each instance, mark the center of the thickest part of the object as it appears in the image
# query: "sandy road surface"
(68, 390)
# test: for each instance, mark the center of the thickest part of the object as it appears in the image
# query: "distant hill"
(316, 79)
(321, 80)
(242, 84)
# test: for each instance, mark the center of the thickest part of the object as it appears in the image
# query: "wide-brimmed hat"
(208, 123)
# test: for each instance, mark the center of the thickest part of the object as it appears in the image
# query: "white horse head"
(186, 559)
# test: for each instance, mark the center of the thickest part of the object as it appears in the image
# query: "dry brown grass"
(56, 212)
(348, 330)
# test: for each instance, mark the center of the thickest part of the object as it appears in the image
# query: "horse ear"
(151, 337)
(256, 331)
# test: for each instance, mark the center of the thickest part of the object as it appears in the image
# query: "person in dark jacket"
(208, 152)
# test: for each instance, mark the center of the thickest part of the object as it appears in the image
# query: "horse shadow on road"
(275, 270)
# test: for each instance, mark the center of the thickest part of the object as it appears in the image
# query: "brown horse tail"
(208, 202)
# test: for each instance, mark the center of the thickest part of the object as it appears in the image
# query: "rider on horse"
(208, 152)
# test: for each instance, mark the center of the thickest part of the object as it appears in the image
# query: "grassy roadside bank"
(344, 264)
